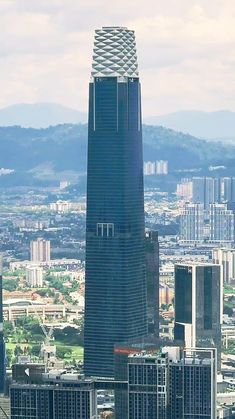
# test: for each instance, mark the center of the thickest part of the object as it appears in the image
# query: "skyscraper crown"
(114, 53)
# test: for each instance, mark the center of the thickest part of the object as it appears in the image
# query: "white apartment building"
(40, 250)
(34, 276)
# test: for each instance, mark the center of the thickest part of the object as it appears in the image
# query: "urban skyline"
(118, 301)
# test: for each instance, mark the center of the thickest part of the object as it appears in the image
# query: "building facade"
(172, 384)
(199, 305)
(226, 258)
(228, 189)
(192, 223)
(40, 250)
(221, 223)
(152, 278)
(53, 401)
(206, 190)
(115, 295)
(34, 276)
(161, 167)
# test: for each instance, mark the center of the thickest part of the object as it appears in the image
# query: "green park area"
(25, 337)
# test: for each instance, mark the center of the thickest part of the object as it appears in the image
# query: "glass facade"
(183, 295)
(115, 304)
(115, 295)
(198, 311)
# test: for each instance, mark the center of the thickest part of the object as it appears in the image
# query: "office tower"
(199, 305)
(115, 299)
(161, 167)
(221, 223)
(226, 258)
(2, 343)
(40, 250)
(172, 384)
(149, 168)
(152, 277)
(192, 223)
(56, 399)
(228, 189)
(34, 276)
(206, 190)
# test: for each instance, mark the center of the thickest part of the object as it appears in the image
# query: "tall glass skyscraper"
(115, 300)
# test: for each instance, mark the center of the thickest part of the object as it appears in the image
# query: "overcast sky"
(186, 51)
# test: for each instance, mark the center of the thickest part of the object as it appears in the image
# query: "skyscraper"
(221, 223)
(206, 190)
(2, 343)
(199, 305)
(40, 250)
(226, 258)
(192, 223)
(115, 300)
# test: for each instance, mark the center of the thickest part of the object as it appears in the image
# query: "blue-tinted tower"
(2, 343)
(115, 299)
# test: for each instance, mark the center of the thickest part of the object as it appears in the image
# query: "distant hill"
(40, 115)
(209, 125)
(64, 148)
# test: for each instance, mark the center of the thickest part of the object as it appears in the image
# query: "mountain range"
(59, 152)
(218, 125)
(207, 125)
(40, 115)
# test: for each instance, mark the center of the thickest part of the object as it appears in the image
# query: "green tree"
(35, 350)
(9, 354)
(18, 351)
(8, 329)
(62, 351)
(10, 284)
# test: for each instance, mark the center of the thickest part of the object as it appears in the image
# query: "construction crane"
(48, 350)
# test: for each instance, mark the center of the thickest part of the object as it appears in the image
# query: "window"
(105, 229)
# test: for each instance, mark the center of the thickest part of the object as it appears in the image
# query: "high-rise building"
(228, 189)
(34, 276)
(192, 385)
(115, 299)
(40, 250)
(192, 223)
(161, 167)
(184, 189)
(172, 384)
(148, 344)
(206, 190)
(226, 258)
(57, 399)
(2, 343)
(199, 305)
(221, 223)
(149, 168)
(152, 277)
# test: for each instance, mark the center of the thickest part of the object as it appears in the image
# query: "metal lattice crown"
(114, 53)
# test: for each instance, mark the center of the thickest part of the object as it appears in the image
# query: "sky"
(186, 51)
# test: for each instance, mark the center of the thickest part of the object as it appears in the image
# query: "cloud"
(186, 51)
